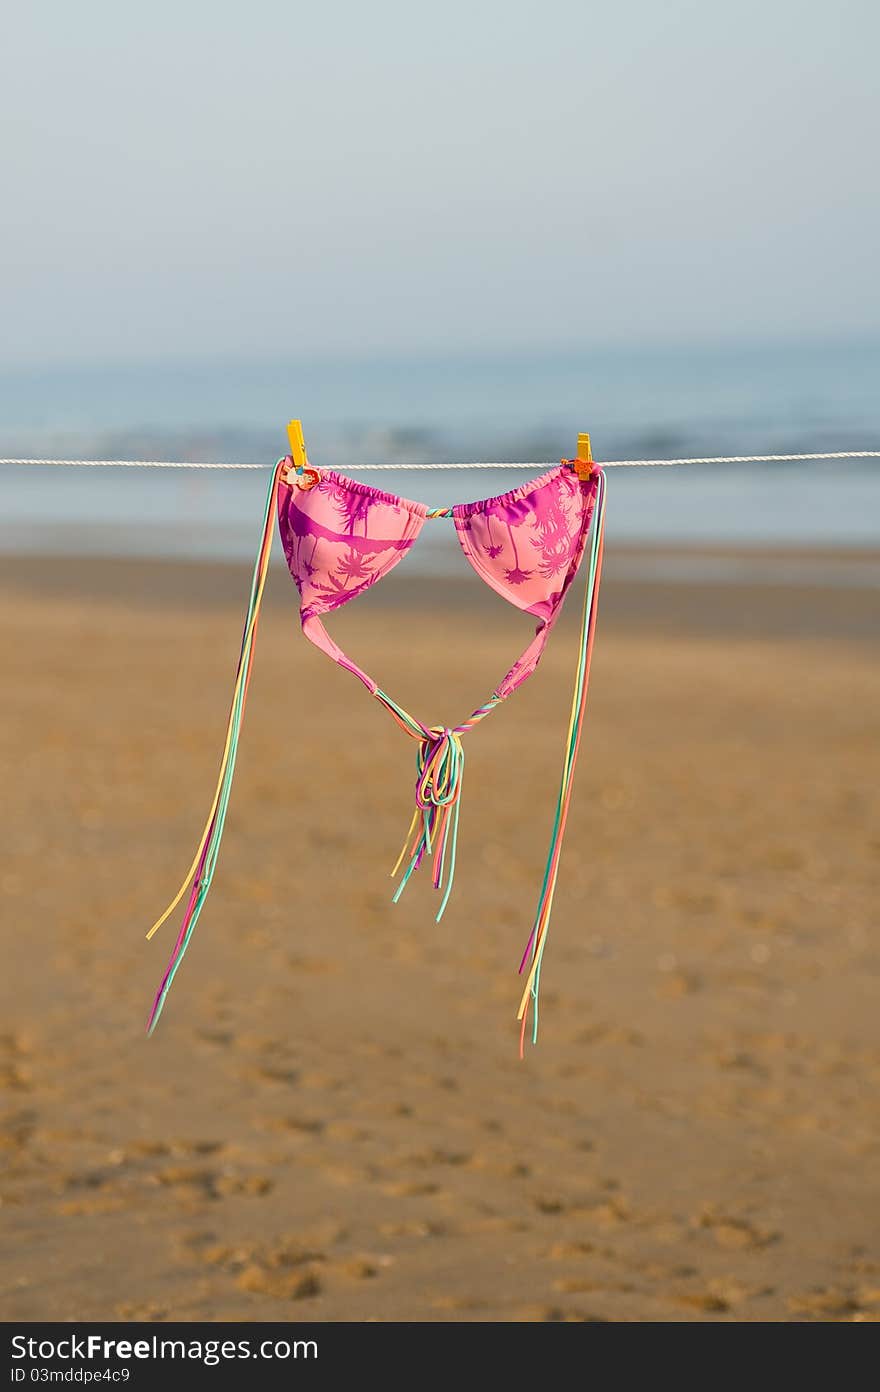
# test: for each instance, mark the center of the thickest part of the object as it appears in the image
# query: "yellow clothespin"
(583, 464)
(297, 444)
(305, 476)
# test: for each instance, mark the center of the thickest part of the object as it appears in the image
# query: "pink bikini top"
(340, 537)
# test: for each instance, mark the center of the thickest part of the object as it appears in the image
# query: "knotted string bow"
(439, 776)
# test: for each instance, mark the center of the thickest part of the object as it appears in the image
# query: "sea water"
(780, 399)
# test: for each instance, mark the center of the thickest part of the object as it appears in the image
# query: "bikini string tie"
(534, 951)
(201, 871)
(433, 830)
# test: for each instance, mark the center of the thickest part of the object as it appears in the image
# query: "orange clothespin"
(584, 463)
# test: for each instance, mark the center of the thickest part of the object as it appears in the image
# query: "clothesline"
(606, 464)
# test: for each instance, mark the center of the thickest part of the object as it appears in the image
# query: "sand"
(332, 1122)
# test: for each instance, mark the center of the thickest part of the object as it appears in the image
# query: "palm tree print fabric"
(341, 536)
(528, 544)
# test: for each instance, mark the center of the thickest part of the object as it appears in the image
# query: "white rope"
(134, 464)
(606, 464)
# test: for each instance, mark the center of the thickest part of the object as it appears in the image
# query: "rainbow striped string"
(433, 830)
(538, 936)
(200, 874)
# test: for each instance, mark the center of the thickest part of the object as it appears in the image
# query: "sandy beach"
(332, 1122)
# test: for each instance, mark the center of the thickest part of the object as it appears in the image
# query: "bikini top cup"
(340, 537)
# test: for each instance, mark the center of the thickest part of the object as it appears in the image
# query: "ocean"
(781, 398)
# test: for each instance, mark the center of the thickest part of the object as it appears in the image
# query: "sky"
(183, 180)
